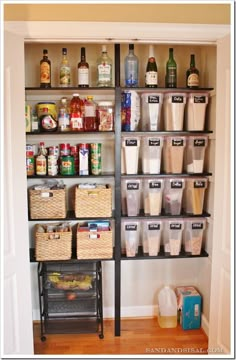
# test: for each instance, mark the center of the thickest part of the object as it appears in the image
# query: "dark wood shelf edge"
(112, 175)
(165, 216)
(167, 175)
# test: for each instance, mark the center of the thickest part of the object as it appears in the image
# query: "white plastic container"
(152, 193)
(173, 236)
(174, 105)
(196, 111)
(193, 235)
(151, 104)
(194, 195)
(151, 154)
(173, 195)
(130, 237)
(131, 147)
(173, 154)
(131, 194)
(195, 154)
(151, 236)
(167, 308)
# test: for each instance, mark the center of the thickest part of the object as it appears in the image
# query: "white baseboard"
(205, 325)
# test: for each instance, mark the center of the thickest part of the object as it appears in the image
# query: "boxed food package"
(130, 110)
(189, 303)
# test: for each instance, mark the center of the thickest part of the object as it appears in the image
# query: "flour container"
(130, 237)
(131, 197)
(151, 236)
(131, 147)
(174, 105)
(172, 196)
(193, 234)
(173, 154)
(167, 308)
(152, 193)
(173, 236)
(151, 104)
(194, 195)
(151, 147)
(195, 154)
(196, 111)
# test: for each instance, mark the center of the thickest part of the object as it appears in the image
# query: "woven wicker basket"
(93, 202)
(97, 245)
(48, 248)
(47, 204)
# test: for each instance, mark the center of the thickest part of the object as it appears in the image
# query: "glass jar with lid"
(105, 115)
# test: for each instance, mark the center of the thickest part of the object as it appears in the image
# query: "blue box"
(189, 303)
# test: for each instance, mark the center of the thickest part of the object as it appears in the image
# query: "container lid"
(46, 102)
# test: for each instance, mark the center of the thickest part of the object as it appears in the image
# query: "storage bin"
(173, 195)
(47, 203)
(130, 237)
(94, 244)
(195, 154)
(151, 147)
(151, 236)
(56, 245)
(151, 104)
(194, 195)
(95, 202)
(131, 197)
(131, 154)
(153, 189)
(193, 234)
(173, 154)
(189, 302)
(173, 238)
(196, 111)
(174, 105)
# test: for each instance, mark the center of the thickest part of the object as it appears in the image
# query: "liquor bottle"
(83, 70)
(65, 71)
(192, 74)
(45, 71)
(131, 68)
(171, 71)
(104, 69)
(41, 160)
(151, 76)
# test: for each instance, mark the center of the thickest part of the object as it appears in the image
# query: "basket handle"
(93, 235)
(53, 237)
(92, 193)
(46, 194)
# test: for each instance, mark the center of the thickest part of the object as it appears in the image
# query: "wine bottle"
(104, 69)
(131, 68)
(171, 71)
(45, 71)
(65, 71)
(83, 70)
(192, 74)
(151, 76)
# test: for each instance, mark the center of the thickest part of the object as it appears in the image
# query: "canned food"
(67, 165)
(48, 108)
(64, 149)
(96, 159)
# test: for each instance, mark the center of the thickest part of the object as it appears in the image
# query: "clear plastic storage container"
(151, 236)
(131, 147)
(193, 234)
(151, 154)
(173, 195)
(195, 154)
(173, 154)
(131, 197)
(173, 236)
(151, 104)
(130, 237)
(152, 193)
(196, 111)
(194, 195)
(174, 105)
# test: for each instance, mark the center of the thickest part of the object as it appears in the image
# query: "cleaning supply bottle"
(167, 308)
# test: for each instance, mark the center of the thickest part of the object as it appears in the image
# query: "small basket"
(47, 204)
(53, 246)
(93, 202)
(94, 245)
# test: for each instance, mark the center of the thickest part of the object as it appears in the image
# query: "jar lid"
(46, 102)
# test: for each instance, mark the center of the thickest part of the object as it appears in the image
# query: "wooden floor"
(138, 336)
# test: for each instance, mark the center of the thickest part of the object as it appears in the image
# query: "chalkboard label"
(196, 226)
(199, 142)
(154, 142)
(177, 142)
(176, 184)
(175, 226)
(131, 227)
(199, 184)
(154, 226)
(154, 185)
(177, 99)
(199, 99)
(152, 99)
(132, 186)
(131, 142)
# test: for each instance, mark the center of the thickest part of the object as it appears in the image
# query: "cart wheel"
(101, 336)
(43, 338)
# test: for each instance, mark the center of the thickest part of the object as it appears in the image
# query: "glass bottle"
(151, 76)
(171, 71)
(41, 160)
(65, 71)
(45, 71)
(83, 70)
(104, 69)
(64, 116)
(131, 68)
(90, 114)
(192, 74)
(76, 113)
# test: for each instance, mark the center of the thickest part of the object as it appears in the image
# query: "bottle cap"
(45, 51)
(131, 46)
(151, 51)
(64, 50)
(76, 94)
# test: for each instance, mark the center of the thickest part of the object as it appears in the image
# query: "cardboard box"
(189, 303)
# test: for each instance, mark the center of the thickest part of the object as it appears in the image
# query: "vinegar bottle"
(192, 74)
(65, 71)
(45, 71)
(171, 71)
(76, 113)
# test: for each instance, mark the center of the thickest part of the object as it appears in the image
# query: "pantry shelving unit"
(116, 91)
